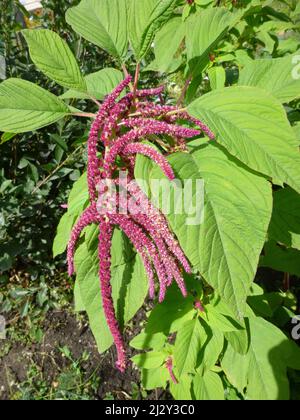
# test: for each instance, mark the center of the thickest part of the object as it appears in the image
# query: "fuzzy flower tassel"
(117, 136)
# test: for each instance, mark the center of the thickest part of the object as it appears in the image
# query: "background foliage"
(250, 44)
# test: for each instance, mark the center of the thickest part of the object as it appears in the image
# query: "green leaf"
(53, 57)
(145, 341)
(102, 23)
(6, 137)
(210, 351)
(205, 30)
(260, 305)
(296, 129)
(146, 17)
(171, 314)
(216, 320)
(25, 106)
(267, 40)
(187, 346)
(182, 390)
(285, 222)
(217, 77)
(171, 34)
(281, 259)
(150, 360)
(253, 126)
(263, 369)
(154, 378)
(98, 85)
(63, 234)
(274, 75)
(208, 387)
(128, 280)
(78, 302)
(78, 199)
(236, 368)
(239, 340)
(226, 246)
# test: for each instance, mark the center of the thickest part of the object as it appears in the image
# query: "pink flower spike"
(171, 268)
(199, 306)
(152, 124)
(156, 127)
(161, 224)
(104, 254)
(169, 366)
(109, 102)
(150, 92)
(133, 231)
(150, 152)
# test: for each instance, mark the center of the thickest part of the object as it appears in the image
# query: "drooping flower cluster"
(115, 138)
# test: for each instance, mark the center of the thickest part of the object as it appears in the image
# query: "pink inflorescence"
(120, 127)
(169, 366)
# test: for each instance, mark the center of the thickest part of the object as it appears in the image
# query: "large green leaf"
(236, 368)
(98, 85)
(275, 75)
(263, 369)
(78, 200)
(25, 106)
(187, 346)
(145, 341)
(103, 23)
(172, 313)
(63, 233)
(253, 126)
(208, 387)
(78, 197)
(145, 18)
(182, 390)
(154, 378)
(281, 259)
(128, 280)
(53, 57)
(217, 77)
(150, 360)
(171, 34)
(237, 210)
(205, 29)
(285, 222)
(210, 350)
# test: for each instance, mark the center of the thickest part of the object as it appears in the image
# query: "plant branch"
(84, 114)
(44, 181)
(184, 90)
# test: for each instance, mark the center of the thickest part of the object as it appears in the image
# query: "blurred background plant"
(37, 169)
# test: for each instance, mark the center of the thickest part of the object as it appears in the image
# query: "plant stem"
(95, 101)
(184, 90)
(136, 77)
(126, 74)
(84, 114)
(177, 111)
(44, 181)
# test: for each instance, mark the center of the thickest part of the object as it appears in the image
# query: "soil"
(64, 329)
